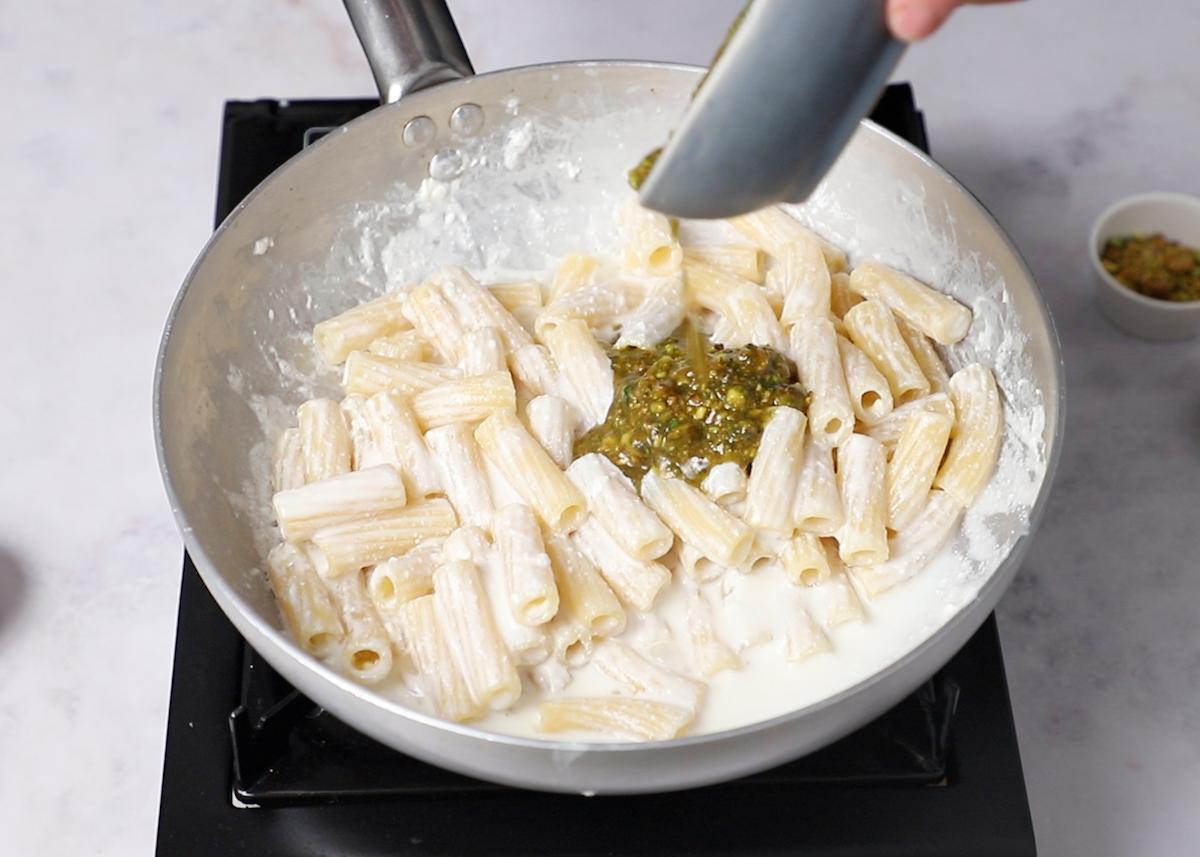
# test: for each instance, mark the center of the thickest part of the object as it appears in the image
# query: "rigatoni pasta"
(708, 450)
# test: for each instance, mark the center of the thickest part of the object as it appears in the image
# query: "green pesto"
(638, 175)
(664, 416)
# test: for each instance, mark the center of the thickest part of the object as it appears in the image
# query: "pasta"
(531, 472)
(457, 455)
(587, 500)
(741, 260)
(872, 328)
(815, 350)
(975, 441)
(324, 440)
(359, 326)
(861, 466)
(532, 592)
(304, 601)
(398, 441)
(938, 316)
(614, 503)
(775, 471)
(303, 511)
(697, 520)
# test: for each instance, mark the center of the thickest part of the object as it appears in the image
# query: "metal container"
(529, 164)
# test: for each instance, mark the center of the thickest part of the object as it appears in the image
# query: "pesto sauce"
(664, 417)
(638, 175)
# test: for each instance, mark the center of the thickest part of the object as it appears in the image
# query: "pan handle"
(410, 44)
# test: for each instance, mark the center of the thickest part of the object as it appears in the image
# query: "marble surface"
(1047, 111)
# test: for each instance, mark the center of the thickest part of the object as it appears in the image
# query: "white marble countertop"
(1047, 111)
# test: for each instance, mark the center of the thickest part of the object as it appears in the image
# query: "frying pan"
(507, 172)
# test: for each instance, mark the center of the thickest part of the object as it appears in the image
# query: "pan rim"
(224, 592)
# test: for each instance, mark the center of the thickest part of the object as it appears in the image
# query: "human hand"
(912, 20)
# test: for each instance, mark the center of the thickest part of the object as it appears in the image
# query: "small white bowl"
(1175, 215)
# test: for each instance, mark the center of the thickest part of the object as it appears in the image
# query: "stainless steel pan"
(530, 161)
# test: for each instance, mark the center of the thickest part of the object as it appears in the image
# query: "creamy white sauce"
(526, 214)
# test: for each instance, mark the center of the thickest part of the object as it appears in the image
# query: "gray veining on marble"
(1047, 111)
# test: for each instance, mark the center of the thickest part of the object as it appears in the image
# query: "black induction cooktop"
(252, 767)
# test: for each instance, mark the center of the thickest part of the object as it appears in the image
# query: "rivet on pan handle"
(410, 44)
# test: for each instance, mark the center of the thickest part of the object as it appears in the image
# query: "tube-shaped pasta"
(802, 637)
(596, 305)
(519, 297)
(359, 326)
(645, 679)
(741, 304)
(534, 369)
(695, 565)
(818, 505)
(366, 374)
(465, 400)
(550, 676)
(432, 655)
(364, 452)
(873, 329)
(697, 520)
(861, 469)
(870, 396)
(726, 483)
(399, 442)
(656, 317)
(476, 307)
(531, 472)
(570, 639)
(367, 650)
(773, 229)
(355, 545)
(324, 440)
(841, 296)
(585, 368)
(463, 610)
(814, 348)
(834, 601)
(804, 560)
(360, 494)
(482, 352)
(304, 601)
(528, 645)
(618, 716)
(400, 579)
(532, 592)
(938, 316)
(913, 547)
(574, 271)
(434, 318)
(288, 462)
(650, 244)
(636, 582)
(888, 430)
(975, 439)
(614, 502)
(583, 590)
(741, 260)
(465, 482)
(926, 355)
(913, 465)
(552, 421)
(775, 472)
(406, 345)
(710, 655)
(802, 277)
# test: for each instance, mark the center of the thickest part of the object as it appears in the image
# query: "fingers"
(911, 20)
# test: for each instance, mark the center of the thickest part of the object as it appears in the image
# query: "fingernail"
(913, 21)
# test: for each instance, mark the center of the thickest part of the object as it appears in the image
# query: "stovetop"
(253, 767)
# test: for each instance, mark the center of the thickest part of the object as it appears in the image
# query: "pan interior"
(364, 211)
